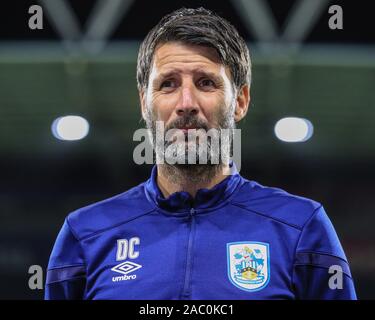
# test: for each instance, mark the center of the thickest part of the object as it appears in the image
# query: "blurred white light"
(70, 128)
(294, 129)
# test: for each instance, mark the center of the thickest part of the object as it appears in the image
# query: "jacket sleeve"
(321, 270)
(66, 272)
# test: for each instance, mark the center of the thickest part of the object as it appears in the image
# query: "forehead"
(176, 56)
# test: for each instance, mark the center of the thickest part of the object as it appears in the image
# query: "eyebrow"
(199, 71)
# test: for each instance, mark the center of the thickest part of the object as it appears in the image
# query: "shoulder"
(110, 212)
(275, 203)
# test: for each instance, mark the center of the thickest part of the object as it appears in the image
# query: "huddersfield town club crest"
(248, 264)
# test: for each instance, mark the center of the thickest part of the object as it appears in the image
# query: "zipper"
(186, 290)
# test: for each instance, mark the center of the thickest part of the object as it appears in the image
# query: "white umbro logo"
(126, 250)
(126, 267)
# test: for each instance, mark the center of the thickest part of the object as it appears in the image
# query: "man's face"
(187, 81)
(188, 88)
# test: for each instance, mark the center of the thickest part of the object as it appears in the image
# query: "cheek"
(212, 106)
(163, 106)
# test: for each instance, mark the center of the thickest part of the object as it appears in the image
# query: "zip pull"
(192, 211)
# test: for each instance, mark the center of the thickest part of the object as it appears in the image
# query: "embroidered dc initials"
(125, 249)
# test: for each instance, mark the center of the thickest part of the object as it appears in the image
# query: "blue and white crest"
(248, 264)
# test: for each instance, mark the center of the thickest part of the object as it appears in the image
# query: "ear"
(242, 105)
(142, 99)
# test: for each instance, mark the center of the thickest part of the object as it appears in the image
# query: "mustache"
(188, 121)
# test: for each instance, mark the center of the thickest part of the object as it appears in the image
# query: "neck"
(171, 179)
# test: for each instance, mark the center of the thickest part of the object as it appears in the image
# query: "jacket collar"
(182, 201)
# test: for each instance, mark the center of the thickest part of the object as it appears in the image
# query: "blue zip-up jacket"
(238, 240)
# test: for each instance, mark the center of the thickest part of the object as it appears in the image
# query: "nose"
(188, 103)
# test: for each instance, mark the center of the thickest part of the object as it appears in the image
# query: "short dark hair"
(199, 27)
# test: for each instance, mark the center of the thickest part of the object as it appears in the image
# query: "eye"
(206, 83)
(168, 84)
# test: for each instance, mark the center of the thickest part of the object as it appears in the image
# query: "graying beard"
(194, 173)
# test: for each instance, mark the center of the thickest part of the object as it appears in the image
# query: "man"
(197, 231)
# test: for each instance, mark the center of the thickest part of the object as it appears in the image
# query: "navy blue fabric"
(181, 246)
(321, 260)
(65, 273)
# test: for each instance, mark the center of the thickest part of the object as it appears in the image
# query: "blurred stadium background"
(83, 63)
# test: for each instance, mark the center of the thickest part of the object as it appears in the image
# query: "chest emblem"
(248, 264)
(126, 249)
